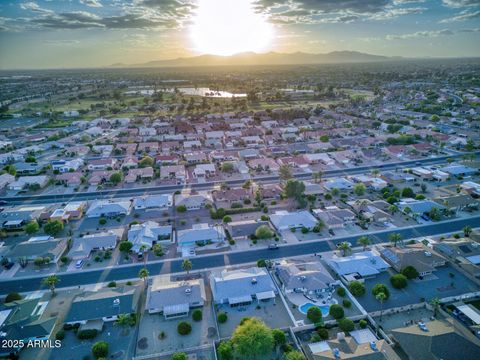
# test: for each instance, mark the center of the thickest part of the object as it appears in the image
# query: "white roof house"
(108, 208)
(200, 233)
(365, 263)
(283, 220)
(153, 201)
(148, 234)
(82, 247)
(340, 184)
(236, 287)
(192, 202)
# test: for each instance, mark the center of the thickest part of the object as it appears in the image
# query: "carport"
(265, 295)
(176, 311)
(240, 300)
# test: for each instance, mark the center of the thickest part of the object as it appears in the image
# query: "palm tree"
(144, 254)
(381, 297)
(317, 176)
(435, 303)
(123, 321)
(344, 247)
(375, 172)
(187, 266)
(395, 238)
(364, 241)
(285, 172)
(467, 230)
(143, 274)
(51, 281)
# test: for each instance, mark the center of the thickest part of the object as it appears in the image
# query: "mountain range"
(271, 58)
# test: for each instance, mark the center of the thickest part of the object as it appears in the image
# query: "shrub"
(341, 291)
(264, 217)
(197, 315)
(410, 272)
(225, 350)
(378, 288)
(398, 281)
(323, 333)
(346, 324)
(102, 221)
(184, 328)
(179, 356)
(112, 284)
(60, 335)
(346, 303)
(87, 334)
(279, 337)
(222, 318)
(100, 349)
(181, 208)
(67, 327)
(227, 219)
(305, 230)
(261, 263)
(356, 288)
(314, 314)
(336, 311)
(362, 323)
(13, 296)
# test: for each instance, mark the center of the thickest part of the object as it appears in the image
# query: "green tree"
(124, 321)
(359, 189)
(143, 274)
(467, 230)
(225, 350)
(100, 349)
(314, 314)
(336, 311)
(408, 193)
(279, 337)
(116, 178)
(364, 241)
(51, 281)
(285, 172)
(398, 281)
(184, 328)
(294, 189)
(346, 324)
(381, 297)
(227, 166)
(356, 288)
(380, 288)
(158, 250)
(263, 232)
(183, 356)
(32, 227)
(435, 303)
(181, 208)
(227, 219)
(13, 296)
(294, 355)
(197, 315)
(125, 246)
(395, 238)
(252, 339)
(344, 247)
(146, 162)
(53, 227)
(410, 272)
(186, 265)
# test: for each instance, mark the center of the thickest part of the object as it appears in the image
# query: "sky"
(96, 33)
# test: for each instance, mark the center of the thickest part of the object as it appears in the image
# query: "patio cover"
(475, 259)
(470, 313)
(239, 299)
(265, 295)
(176, 309)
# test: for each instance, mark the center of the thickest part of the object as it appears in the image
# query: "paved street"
(224, 259)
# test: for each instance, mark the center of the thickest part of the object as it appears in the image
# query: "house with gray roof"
(242, 286)
(30, 250)
(104, 304)
(16, 218)
(163, 201)
(174, 299)
(148, 234)
(24, 320)
(82, 247)
(308, 277)
(284, 220)
(192, 201)
(200, 234)
(358, 265)
(108, 208)
(245, 228)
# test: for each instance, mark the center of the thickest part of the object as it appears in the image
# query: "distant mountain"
(270, 58)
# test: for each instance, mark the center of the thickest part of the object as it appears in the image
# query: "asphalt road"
(224, 259)
(43, 199)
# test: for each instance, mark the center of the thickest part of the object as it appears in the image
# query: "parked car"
(79, 264)
(273, 246)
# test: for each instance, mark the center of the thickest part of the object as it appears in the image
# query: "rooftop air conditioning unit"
(254, 280)
(188, 291)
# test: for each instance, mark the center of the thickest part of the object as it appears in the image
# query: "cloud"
(32, 6)
(421, 34)
(462, 16)
(460, 3)
(396, 12)
(470, 30)
(61, 42)
(327, 6)
(91, 3)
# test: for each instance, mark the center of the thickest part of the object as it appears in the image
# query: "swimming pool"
(323, 308)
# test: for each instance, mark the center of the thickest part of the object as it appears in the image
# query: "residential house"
(335, 217)
(17, 218)
(371, 210)
(166, 160)
(176, 172)
(284, 220)
(174, 299)
(225, 198)
(148, 202)
(6, 179)
(463, 251)
(358, 265)
(130, 161)
(200, 235)
(70, 178)
(245, 228)
(458, 170)
(144, 236)
(134, 175)
(103, 305)
(75, 209)
(108, 208)
(204, 171)
(102, 164)
(31, 249)
(82, 247)
(192, 201)
(24, 182)
(64, 166)
(299, 276)
(263, 164)
(457, 202)
(339, 183)
(242, 286)
(422, 259)
(418, 207)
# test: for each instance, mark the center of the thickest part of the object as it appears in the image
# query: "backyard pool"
(323, 308)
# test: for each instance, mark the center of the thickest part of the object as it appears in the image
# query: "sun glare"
(227, 27)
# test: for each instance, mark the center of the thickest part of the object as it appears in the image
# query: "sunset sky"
(89, 33)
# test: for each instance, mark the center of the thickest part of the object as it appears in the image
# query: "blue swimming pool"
(323, 308)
